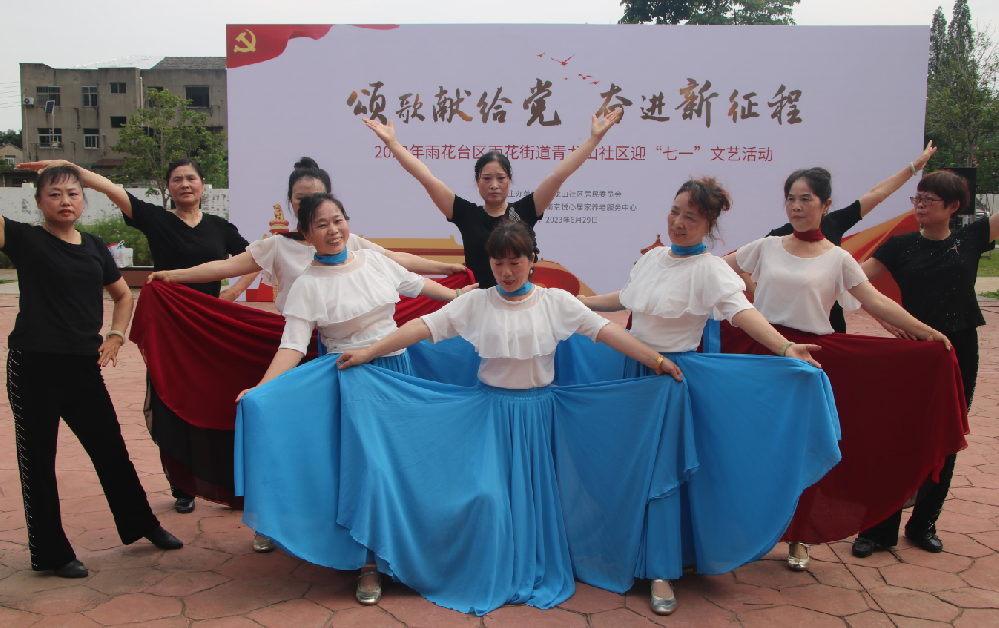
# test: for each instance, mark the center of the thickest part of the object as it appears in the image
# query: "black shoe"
(72, 569)
(863, 548)
(928, 541)
(184, 505)
(164, 540)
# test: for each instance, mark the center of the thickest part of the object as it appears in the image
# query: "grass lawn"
(989, 267)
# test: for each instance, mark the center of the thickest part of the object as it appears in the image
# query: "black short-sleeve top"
(937, 277)
(834, 225)
(62, 290)
(175, 244)
(475, 226)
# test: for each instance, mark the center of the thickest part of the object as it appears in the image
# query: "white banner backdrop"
(745, 104)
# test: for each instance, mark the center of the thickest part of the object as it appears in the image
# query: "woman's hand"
(109, 350)
(599, 128)
(159, 275)
(936, 336)
(354, 357)
(240, 396)
(803, 352)
(455, 269)
(230, 294)
(38, 166)
(898, 332)
(385, 132)
(668, 367)
(469, 288)
(925, 156)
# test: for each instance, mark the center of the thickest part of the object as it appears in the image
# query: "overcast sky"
(65, 33)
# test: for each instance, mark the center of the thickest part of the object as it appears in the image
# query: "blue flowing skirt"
(473, 496)
(765, 429)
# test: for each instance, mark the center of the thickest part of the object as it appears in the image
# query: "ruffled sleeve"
(326, 301)
(356, 243)
(263, 252)
(852, 276)
(748, 256)
(669, 288)
(406, 283)
(297, 330)
(572, 317)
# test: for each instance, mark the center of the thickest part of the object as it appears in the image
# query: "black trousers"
(931, 495)
(41, 388)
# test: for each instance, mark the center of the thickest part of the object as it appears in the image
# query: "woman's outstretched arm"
(409, 334)
(615, 337)
(89, 179)
(884, 308)
(236, 266)
(891, 185)
(441, 194)
(545, 193)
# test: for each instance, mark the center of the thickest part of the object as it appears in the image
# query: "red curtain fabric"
(901, 411)
(200, 351)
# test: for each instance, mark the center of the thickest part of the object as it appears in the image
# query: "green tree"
(11, 137)
(962, 107)
(708, 11)
(164, 131)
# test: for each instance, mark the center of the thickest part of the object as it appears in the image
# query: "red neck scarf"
(810, 236)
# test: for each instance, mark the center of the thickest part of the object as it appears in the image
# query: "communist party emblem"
(248, 41)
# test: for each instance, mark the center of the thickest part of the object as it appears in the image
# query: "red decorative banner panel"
(249, 44)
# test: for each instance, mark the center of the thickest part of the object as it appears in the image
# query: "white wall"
(19, 204)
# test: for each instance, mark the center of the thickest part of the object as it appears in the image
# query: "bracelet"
(912, 167)
(115, 332)
(457, 292)
(658, 363)
(783, 350)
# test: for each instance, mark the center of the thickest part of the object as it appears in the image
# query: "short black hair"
(307, 168)
(490, 157)
(818, 179)
(185, 162)
(308, 206)
(56, 174)
(511, 238)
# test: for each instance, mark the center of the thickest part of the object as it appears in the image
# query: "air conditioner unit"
(29, 101)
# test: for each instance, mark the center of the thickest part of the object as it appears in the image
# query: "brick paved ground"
(217, 581)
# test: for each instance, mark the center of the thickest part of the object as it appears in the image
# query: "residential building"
(89, 105)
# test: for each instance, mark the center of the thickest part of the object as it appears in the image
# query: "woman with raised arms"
(282, 458)
(493, 175)
(765, 428)
(54, 363)
(887, 433)
(935, 269)
(179, 237)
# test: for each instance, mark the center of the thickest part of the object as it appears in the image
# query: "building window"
(49, 138)
(197, 94)
(47, 92)
(89, 96)
(117, 88)
(118, 121)
(216, 130)
(8, 160)
(91, 138)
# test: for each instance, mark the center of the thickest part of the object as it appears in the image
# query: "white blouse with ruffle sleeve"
(671, 298)
(286, 259)
(796, 291)
(352, 304)
(515, 339)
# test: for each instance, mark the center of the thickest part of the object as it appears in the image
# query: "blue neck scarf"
(697, 249)
(524, 289)
(339, 258)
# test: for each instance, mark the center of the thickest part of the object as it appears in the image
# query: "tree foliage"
(962, 108)
(708, 11)
(10, 136)
(163, 132)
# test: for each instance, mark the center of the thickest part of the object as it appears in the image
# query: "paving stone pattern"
(217, 581)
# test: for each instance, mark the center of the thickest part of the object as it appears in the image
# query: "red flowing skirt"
(200, 353)
(901, 411)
